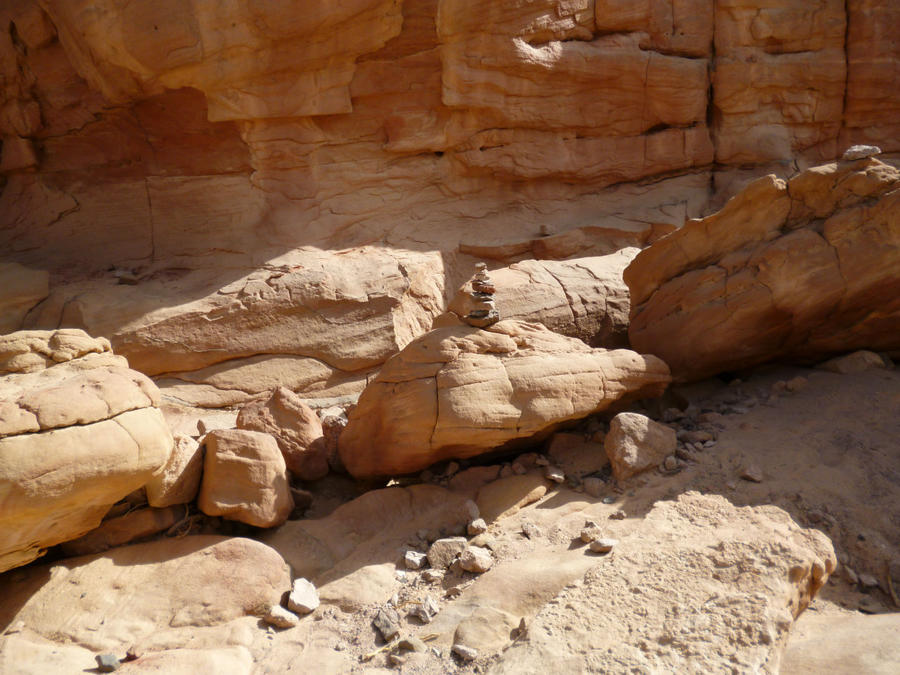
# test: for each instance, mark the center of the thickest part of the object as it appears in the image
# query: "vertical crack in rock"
(846, 67)
(150, 218)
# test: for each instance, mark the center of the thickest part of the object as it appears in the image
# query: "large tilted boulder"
(462, 391)
(79, 430)
(584, 298)
(799, 269)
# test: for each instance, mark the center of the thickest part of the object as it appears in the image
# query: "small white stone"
(303, 598)
(476, 559)
(279, 617)
(476, 527)
(465, 653)
(414, 560)
(860, 152)
(554, 473)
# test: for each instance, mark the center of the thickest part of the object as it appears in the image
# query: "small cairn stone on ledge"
(484, 312)
(861, 152)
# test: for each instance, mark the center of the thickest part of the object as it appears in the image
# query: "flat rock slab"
(108, 602)
(713, 561)
(459, 392)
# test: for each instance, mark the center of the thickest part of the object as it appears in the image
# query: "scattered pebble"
(107, 663)
(444, 551)
(868, 581)
(752, 473)
(465, 653)
(554, 474)
(414, 560)
(476, 559)
(796, 384)
(279, 617)
(731, 485)
(303, 598)
(476, 527)
(603, 545)
(518, 469)
(387, 621)
(670, 463)
(400, 575)
(531, 530)
(815, 516)
(850, 575)
(590, 533)
(425, 610)
(617, 515)
(540, 460)
(432, 576)
(610, 499)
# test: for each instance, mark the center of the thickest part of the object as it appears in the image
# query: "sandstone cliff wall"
(186, 132)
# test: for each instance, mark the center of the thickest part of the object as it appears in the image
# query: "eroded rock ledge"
(799, 269)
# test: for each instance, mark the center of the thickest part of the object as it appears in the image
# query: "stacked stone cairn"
(484, 312)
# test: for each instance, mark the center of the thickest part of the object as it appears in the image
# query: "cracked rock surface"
(79, 430)
(458, 392)
(801, 269)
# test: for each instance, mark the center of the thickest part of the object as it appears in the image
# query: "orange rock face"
(144, 139)
(801, 269)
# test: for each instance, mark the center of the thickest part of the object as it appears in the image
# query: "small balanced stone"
(861, 152)
(484, 311)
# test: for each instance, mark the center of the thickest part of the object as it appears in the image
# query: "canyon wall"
(179, 152)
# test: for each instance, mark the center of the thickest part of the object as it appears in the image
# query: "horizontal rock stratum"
(799, 269)
(461, 391)
(79, 431)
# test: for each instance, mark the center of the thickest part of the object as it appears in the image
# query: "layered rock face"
(797, 269)
(259, 145)
(460, 392)
(79, 430)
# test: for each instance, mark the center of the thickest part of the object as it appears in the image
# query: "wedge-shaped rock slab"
(798, 269)
(79, 430)
(461, 391)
